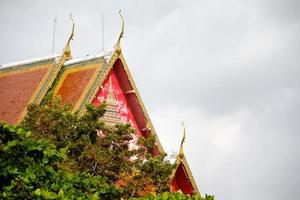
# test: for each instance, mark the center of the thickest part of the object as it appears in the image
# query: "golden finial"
(181, 152)
(66, 55)
(67, 50)
(118, 45)
(73, 26)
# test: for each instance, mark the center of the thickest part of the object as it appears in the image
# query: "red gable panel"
(181, 181)
(129, 109)
(123, 109)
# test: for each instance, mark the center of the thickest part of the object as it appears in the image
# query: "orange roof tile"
(21, 85)
(76, 80)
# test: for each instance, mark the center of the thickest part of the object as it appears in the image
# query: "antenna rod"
(53, 35)
(103, 33)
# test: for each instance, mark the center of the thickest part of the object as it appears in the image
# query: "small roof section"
(23, 83)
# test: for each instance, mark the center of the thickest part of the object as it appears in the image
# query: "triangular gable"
(127, 93)
(182, 178)
(22, 84)
(76, 80)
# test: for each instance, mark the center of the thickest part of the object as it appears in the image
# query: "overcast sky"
(228, 69)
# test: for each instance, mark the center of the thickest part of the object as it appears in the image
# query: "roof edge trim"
(29, 61)
(85, 58)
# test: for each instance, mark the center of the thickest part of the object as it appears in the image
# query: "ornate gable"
(129, 108)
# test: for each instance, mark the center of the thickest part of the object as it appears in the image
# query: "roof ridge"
(106, 56)
(87, 58)
(28, 61)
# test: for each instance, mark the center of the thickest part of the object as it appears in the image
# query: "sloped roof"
(75, 81)
(24, 83)
(28, 81)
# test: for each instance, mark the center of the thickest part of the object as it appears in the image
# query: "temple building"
(91, 79)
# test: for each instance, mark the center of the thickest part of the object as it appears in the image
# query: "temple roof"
(76, 81)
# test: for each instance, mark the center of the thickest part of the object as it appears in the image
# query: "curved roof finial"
(181, 152)
(118, 45)
(67, 50)
(73, 26)
(66, 54)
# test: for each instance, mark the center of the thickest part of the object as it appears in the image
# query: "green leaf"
(165, 196)
(11, 128)
(49, 195)
(95, 196)
(103, 191)
(21, 131)
(28, 134)
(11, 143)
(61, 193)
(38, 192)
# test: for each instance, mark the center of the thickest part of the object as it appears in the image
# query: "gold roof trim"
(149, 122)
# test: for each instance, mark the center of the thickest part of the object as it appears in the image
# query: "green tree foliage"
(174, 196)
(30, 170)
(100, 150)
(59, 154)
